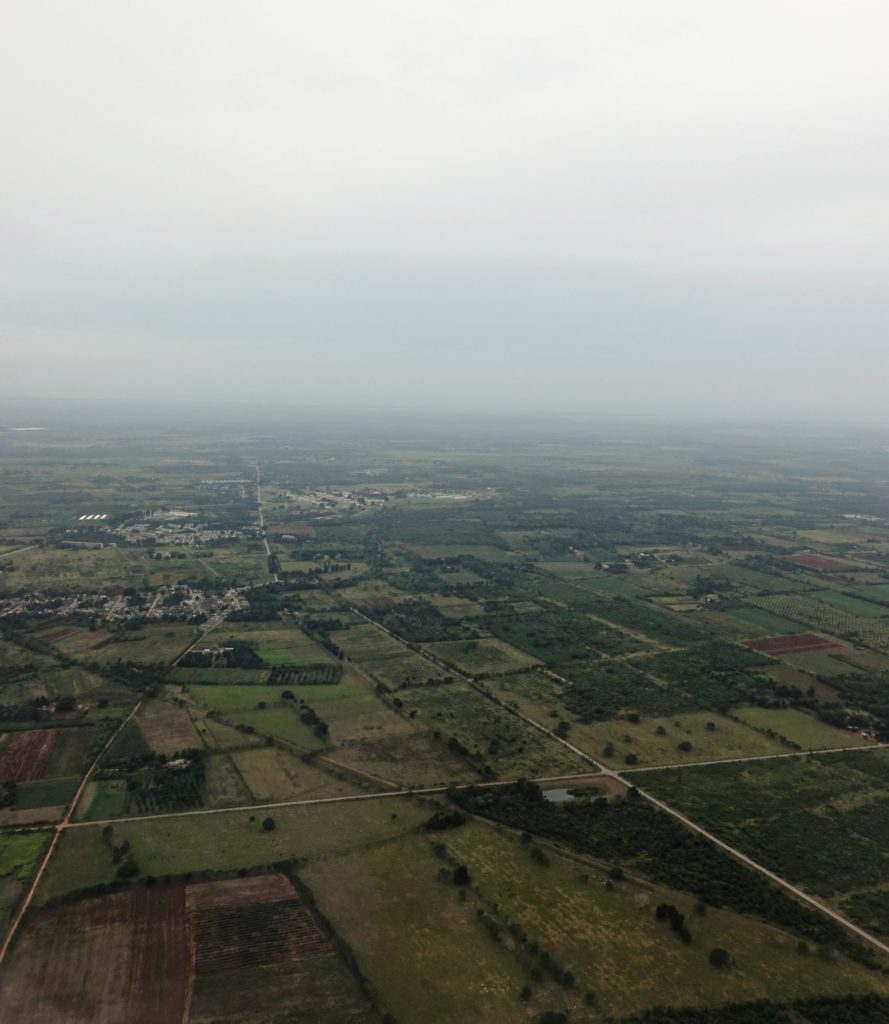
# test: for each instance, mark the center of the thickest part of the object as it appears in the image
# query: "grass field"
(155, 642)
(799, 727)
(167, 729)
(386, 658)
(853, 605)
(510, 747)
(770, 623)
(19, 856)
(271, 774)
(481, 657)
(645, 741)
(104, 798)
(228, 840)
(602, 935)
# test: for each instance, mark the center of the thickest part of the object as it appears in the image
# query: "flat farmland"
(795, 643)
(874, 632)
(167, 729)
(224, 785)
(26, 754)
(102, 799)
(161, 642)
(601, 935)
(481, 657)
(227, 841)
(98, 961)
(878, 592)
(847, 603)
(19, 856)
(820, 821)
(386, 658)
(819, 663)
(765, 620)
(286, 644)
(507, 745)
(70, 752)
(241, 566)
(800, 727)
(619, 743)
(216, 676)
(72, 570)
(271, 775)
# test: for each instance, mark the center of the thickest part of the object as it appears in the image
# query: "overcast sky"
(659, 206)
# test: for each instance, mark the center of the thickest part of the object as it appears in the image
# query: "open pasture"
(763, 619)
(20, 853)
(481, 657)
(847, 603)
(672, 739)
(800, 727)
(384, 657)
(167, 728)
(600, 934)
(228, 840)
(507, 746)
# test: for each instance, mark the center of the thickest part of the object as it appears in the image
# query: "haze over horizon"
(666, 208)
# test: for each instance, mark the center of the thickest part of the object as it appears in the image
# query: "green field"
(20, 855)
(799, 727)
(481, 657)
(508, 747)
(772, 624)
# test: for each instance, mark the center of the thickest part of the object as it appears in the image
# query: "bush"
(720, 957)
(268, 825)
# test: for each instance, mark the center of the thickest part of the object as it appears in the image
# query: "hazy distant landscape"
(415, 722)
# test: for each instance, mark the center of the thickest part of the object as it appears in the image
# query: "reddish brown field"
(27, 755)
(792, 644)
(133, 956)
(104, 960)
(297, 529)
(820, 562)
(251, 922)
(57, 635)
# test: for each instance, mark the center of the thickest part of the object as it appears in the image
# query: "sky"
(652, 207)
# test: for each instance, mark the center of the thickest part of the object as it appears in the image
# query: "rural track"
(386, 794)
(800, 894)
(57, 832)
(265, 542)
(755, 757)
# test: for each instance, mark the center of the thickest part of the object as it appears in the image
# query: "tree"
(268, 824)
(720, 957)
(617, 873)
(461, 875)
(685, 746)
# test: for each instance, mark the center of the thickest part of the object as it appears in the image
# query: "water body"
(557, 796)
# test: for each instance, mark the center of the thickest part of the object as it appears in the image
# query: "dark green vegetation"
(443, 612)
(631, 831)
(822, 821)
